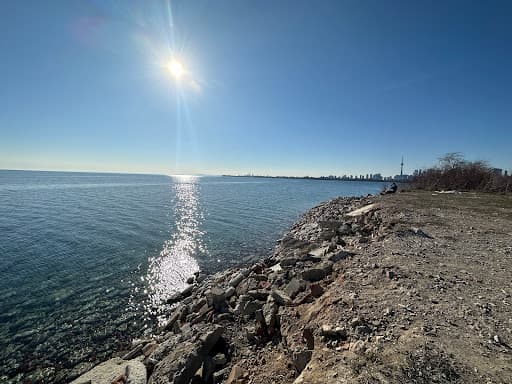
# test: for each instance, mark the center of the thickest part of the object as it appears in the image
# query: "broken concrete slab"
(363, 210)
(108, 371)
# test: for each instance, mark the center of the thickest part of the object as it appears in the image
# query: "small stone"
(330, 332)
(210, 337)
(172, 321)
(134, 352)
(219, 359)
(338, 256)
(316, 290)
(237, 373)
(219, 375)
(215, 296)
(265, 285)
(149, 348)
(317, 273)
(281, 298)
(363, 330)
(237, 279)
(309, 338)
(345, 230)
(250, 307)
(301, 359)
(260, 277)
(187, 291)
(261, 325)
(230, 292)
(174, 298)
(198, 305)
(357, 346)
(270, 310)
(223, 317)
(288, 261)
(258, 294)
(318, 252)
(356, 321)
(294, 287)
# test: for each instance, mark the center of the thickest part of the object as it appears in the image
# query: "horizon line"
(184, 174)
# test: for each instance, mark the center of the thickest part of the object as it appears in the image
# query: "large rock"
(294, 286)
(345, 230)
(318, 252)
(237, 375)
(281, 298)
(330, 224)
(317, 273)
(301, 358)
(288, 261)
(180, 365)
(276, 268)
(114, 368)
(338, 256)
(363, 210)
(291, 242)
(215, 296)
(270, 313)
(178, 296)
(236, 280)
(251, 306)
(258, 294)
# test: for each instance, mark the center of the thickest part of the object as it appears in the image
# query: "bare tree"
(451, 160)
(453, 172)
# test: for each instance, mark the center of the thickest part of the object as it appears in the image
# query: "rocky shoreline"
(298, 315)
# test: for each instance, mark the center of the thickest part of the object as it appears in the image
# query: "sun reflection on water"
(167, 272)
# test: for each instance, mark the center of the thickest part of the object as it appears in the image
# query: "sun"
(176, 69)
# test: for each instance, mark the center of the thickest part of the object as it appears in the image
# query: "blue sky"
(271, 87)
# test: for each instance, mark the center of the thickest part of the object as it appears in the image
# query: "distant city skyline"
(280, 88)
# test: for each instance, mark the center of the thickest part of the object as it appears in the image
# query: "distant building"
(506, 173)
(401, 176)
(497, 171)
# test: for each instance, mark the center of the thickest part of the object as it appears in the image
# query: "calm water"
(87, 259)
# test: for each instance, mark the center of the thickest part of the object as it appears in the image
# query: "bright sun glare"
(176, 68)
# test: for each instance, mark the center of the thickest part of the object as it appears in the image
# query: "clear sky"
(270, 87)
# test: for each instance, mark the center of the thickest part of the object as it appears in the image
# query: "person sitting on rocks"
(392, 189)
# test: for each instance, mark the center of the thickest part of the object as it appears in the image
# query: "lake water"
(86, 260)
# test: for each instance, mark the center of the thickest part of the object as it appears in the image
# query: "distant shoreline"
(317, 178)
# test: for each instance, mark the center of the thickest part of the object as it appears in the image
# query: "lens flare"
(176, 69)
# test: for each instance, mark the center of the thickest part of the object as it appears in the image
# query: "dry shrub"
(454, 173)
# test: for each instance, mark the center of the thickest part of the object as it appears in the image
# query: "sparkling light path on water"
(167, 272)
